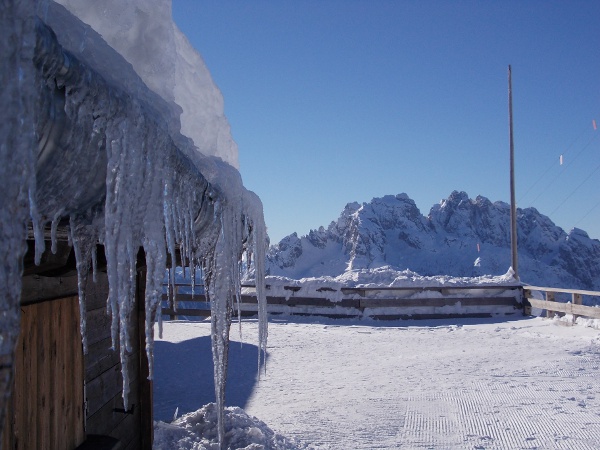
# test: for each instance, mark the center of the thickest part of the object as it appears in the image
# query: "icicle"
(83, 237)
(193, 278)
(94, 263)
(53, 230)
(220, 284)
(170, 289)
(38, 232)
(17, 144)
(254, 209)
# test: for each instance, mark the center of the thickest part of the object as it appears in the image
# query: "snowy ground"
(333, 384)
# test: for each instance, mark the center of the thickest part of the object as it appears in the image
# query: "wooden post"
(576, 299)
(513, 203)
(550, 298)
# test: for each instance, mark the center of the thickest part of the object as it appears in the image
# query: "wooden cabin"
(84, 116)
(63, 399)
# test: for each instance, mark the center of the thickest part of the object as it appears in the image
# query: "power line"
(587, 214)
(552, 164)
(575, 190)
(566, 167)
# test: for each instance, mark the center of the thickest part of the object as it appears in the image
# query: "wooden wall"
(105, 413)
(51, 407)
(47, 403)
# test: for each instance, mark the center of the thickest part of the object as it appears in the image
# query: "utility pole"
(513, 202)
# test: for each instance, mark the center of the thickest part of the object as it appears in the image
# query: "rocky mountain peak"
(460, 237)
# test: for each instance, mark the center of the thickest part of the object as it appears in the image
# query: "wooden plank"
(321, 314)
(98, 326)
(430, 316)
(49, 377)
(96, 292)
(100, 358)
(567, 308)
(251, 300)
(8, 435)
(576, 299)
(109, 416)
(566, 291)
(128, 432)
(437, 302)
(31, 397)
(103, 388)
(73, 382)
(42, 414)
(550, 298)
(186, 312)
(49, 261)
(36, 288)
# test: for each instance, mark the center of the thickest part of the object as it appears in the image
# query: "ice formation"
(144, 34)
(111, 160)
(17, 140)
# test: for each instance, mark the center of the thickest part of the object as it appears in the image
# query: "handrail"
(551, 306)
(565, 291)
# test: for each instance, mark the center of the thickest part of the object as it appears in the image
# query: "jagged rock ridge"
(459, 237)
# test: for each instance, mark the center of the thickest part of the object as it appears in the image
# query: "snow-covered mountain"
(460, 237)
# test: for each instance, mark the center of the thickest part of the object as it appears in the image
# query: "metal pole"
(513, 203)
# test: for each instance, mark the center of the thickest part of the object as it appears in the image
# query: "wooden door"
(48, 398)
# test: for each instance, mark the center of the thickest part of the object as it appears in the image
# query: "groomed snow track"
(462, 384)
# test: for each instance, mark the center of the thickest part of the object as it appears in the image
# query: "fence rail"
(550, 304)
(411, 302)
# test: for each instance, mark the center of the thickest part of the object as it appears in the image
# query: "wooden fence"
(550, 304)
(387, 303)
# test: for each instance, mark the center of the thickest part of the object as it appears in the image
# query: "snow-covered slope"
(460, 237)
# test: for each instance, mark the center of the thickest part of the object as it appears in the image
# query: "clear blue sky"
(333, 101)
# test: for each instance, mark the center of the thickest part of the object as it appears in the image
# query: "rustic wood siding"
(47, 404)
(104, 383)
(56, 385)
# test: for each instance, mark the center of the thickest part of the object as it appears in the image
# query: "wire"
(552, 165)
(575, 190)
(587, 214)
(565, 168)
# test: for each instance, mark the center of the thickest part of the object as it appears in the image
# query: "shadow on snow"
(177, 366)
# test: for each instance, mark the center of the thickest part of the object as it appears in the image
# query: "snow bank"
(198, 431)
(569, 319)
(378, 278)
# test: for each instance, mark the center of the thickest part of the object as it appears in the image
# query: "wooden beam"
(567, 308)
(566, 291)
(50, 262)
(38, 289)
